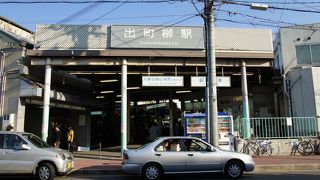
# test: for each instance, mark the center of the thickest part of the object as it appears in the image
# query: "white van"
(26, 153)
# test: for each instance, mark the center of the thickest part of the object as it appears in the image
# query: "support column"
(21, 111)
(171, 114)
(124, 105)
(46, 100)
(245, 102)
(129, 120)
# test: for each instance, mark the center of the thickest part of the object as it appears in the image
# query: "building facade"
(89, 71)
(297, 57)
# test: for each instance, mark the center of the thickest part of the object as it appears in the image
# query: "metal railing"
(283, 127)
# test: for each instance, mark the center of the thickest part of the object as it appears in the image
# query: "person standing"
(154, 131)
(57, 137)
(70, 138)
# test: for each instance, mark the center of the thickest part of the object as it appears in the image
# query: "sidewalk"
(109, 162)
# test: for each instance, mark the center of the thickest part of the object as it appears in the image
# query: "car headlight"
(62, 156)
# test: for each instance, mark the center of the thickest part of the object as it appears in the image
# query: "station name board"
(200, 81)
(162, 81)
(159, 37)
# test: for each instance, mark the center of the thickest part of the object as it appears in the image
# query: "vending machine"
(195, 125)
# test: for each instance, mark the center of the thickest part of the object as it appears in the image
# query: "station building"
(89, 70)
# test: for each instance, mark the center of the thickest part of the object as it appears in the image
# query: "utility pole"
(212, 114)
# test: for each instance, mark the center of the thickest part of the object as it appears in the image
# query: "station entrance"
(104, 68)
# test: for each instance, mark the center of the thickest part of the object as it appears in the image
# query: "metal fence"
(283, 127)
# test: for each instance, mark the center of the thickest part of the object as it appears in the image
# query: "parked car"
(26, 153)
(170, 155)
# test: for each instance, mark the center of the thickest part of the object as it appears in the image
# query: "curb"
(79, 172)
(286, 167)
(258, 169)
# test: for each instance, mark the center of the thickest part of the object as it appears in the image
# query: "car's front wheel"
(152, 171)
(46, 171)
(234, 169)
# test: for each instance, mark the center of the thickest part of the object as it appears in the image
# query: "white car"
(26, 153)
(170, 155)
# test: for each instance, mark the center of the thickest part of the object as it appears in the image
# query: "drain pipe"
(285, 93)
(2, 59)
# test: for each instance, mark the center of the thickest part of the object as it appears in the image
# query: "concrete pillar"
(128, 118)
(124, 105)
(171, 111)
(20, 120)
(46, 100)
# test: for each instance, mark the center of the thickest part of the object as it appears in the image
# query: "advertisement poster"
(196, 124)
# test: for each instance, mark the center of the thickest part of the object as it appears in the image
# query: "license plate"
(70, 165)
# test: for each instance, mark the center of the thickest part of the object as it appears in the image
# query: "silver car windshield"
(36, 141)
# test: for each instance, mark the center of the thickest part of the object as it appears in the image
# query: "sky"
(181, 12)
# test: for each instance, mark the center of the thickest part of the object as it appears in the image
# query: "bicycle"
(266, 147)
(260, 147)
(308, 147)
(249, 147)
(294, 147)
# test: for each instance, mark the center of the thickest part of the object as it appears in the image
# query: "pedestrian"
(52, 132)
(179, 129)
(154, 131)
(57, 137)
(70, 138)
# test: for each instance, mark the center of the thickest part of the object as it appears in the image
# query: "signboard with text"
(162, 81)
(159, 37)
(200, 81)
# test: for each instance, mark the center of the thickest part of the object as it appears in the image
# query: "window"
(1, 141)
(169, 145)
(12, 141)
(195, 145)
(36, 141)
(303, 54)
(308, 54)
(315, 49)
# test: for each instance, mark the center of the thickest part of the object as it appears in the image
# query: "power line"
(280, 2)
(117, 7)
(273, 7)
(259, 18)
(301, 48)
(79, 13)
(162, 27)
(90, 1)
(116, 18)
(312, 7)
(262, 23)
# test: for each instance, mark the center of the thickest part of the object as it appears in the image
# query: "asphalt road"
(294, 175)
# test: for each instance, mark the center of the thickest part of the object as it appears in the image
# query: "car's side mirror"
(25, 147)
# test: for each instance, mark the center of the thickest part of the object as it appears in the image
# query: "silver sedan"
(171, 155)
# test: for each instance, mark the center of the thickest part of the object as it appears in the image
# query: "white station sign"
(162, 81)
(200, 81)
